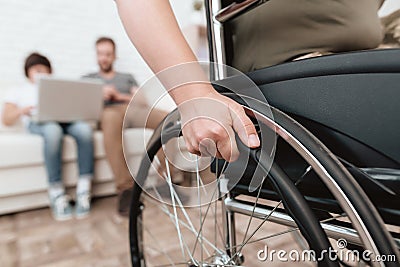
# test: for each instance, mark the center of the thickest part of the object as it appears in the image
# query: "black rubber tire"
(353, 191)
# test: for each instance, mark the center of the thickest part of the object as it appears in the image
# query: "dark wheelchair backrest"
(350, 101)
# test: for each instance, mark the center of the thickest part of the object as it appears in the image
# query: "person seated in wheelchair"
(276, 32)
(273, 33)
(280, 31)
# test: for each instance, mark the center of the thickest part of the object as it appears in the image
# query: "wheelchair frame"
(216, 16)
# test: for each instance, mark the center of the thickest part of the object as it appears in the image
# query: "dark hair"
(36, 59)
(105, 40)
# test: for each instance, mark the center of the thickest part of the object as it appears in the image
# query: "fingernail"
(253, 140)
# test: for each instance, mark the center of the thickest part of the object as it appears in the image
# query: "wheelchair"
(331, 182)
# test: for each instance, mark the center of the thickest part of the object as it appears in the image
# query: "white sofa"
(23, 179)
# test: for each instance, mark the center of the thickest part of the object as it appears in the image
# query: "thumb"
(244, 128)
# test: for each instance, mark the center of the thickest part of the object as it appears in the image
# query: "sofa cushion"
(16, 128)
(23, 149)
(27, 149)
(22, 180)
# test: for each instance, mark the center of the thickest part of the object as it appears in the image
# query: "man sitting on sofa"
(118, 90)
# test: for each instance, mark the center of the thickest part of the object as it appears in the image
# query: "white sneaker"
(61, 209)
(82, 206)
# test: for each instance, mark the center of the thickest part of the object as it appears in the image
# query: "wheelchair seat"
(349, 101)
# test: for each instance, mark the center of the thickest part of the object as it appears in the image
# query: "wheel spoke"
(321, 164)
(155, 239)
(175, 264)
(294, 229)
(169, 181)
(205, 216)
(200, 235)
(215, 204)
(245, 241)
(166, 211)
(308, 169)
(215, 211)
(188, 226)
(255, 231)
(252, 212)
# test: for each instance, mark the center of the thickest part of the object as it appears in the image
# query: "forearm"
(124, 97)
(154, 31)
(10, 115)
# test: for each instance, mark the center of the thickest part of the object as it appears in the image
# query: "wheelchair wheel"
(221, 227)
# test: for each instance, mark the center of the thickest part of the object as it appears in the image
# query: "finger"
(218, 155)
(245, 128)
(204, 151)
(227, 146)
(189, 143)
(207, 147)
(192, 149)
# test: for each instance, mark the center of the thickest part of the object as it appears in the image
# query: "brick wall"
(65, 31)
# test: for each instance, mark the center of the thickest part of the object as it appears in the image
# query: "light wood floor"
(34, 239)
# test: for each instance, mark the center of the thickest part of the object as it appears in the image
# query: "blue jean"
(52, 133)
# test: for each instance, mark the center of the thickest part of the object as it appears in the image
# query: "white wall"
(389, 6)
(65, 31)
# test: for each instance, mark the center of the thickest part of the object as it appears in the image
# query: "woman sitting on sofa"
(20, 104)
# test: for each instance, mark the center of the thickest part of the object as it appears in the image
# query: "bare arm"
(153, 29)
(150, 24)
(111, 93)
(123, 97)
(11, 113)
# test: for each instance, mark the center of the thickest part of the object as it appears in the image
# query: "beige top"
(281, 30)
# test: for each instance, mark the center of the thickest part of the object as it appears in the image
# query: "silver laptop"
(69, 100)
